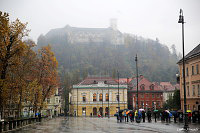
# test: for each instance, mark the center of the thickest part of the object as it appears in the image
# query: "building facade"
(192, 78)
(168, 90)
(150, 94)
(98, 96)
(53, 105)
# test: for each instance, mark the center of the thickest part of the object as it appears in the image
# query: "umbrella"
(126, 109)
(167, 111)
(141, 110)
(127, 112)
(155, 110)
(120, 111)
(116, 114)
(173, 112)
(189, 111)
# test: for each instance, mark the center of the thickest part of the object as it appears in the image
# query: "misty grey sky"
(148, 18)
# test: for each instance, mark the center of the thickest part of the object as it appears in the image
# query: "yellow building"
(192, 78)
(97, 96)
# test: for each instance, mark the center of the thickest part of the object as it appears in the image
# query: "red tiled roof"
(124, 80)
(167, 86)
(143, 81)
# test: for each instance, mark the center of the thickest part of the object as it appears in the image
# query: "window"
(187, 71)
(142, 95)
(107, 97)
(158, 104)
(193, 90)
(142, 104)
(101, 97)
(117, 97)
(152, 87)
(152, 103)
(48, 100)
(152, 95)
(147, 95)
(142, 87)
(197, 67)
(198, 89)
(188, 89)
(94, 97)
(158, 96)
(56, 100)
(84, 98)
(192, 70)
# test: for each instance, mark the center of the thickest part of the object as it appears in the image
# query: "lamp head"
(181, 20)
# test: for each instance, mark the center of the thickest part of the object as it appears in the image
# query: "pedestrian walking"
(149, 115)
(132, 115)
(125, 115)
(120, 116)
(175, 116)
(155, 116)
(143, 116)
(189, 116)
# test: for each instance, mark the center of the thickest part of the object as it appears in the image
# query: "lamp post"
(137, 81)
(77, 102)
(108, 102)
(118, 92)
(181, 20)
(102, 102)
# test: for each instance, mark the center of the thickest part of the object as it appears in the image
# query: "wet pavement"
(99, 125)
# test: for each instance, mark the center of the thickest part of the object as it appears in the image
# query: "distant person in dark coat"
(149, 115)
(175, 116)
(143, 116)
(132, 115)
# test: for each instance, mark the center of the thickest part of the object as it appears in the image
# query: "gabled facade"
(97, 96)
(150, 94)
(192, 78)
(168, 90)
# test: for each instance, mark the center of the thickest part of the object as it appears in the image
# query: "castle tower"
(113, 23)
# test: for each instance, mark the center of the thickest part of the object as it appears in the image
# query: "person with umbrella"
(174, 113)
(155, 113)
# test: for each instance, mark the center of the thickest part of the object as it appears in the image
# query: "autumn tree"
(11, 47)
(47, 72)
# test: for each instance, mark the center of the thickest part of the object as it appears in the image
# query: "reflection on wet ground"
(99, 125)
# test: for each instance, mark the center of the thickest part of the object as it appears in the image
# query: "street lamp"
(138, 119)
(137, 80)
(181, 20)
(108, 101)
(118, 91)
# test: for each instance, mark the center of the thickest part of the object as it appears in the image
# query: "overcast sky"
(148, 18)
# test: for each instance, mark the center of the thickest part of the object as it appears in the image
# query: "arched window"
(94, 97)
(107, 97)
(101, 97)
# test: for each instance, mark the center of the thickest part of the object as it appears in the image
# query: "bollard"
(14, 124)
(10, 125)
(21, 123)
(5, 126)
(18, 123)
(1, 126)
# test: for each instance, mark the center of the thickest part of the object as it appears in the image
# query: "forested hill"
(155, 61)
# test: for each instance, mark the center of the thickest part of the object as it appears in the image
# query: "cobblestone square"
(106, 125)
